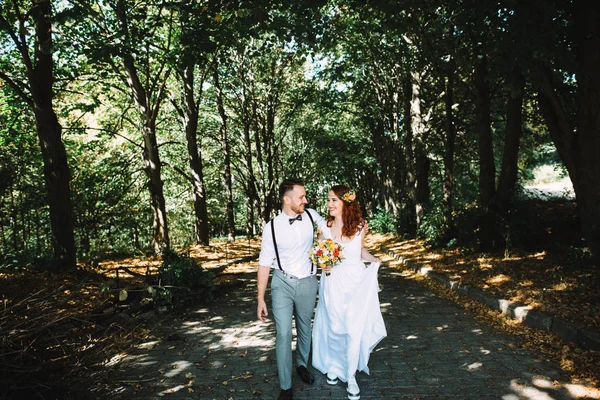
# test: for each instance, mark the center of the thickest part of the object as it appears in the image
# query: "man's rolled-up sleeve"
(267, 249)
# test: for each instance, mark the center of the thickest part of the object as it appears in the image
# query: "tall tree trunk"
(558, 122)
(392, 152)
(449, 148)
(449, 145)
(262, 146)
(14, 223)
(421, 162)
(152, 168)
(512, 138)
(587, 140)
(253, 200)
(398, 176)
(423, 165)
(253, 203)
(271, 154)
(579, 151)
(56, 168)
(227, 178)
(150, 154)
(38, 236)
(409, 217)
(386, 137)
(385, 159)
(487, 169)
(201, 229)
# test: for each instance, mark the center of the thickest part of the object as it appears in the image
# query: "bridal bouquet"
(326, 252)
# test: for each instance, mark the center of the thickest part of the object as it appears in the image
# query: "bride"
(348, 322)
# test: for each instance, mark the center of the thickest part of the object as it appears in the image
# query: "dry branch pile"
(57, 330)
(53, 324)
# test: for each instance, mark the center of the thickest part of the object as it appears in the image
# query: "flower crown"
(348, 196)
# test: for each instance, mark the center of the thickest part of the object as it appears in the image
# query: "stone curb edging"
(568, 331)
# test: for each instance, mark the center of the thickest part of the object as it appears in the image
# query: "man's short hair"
(287, 185)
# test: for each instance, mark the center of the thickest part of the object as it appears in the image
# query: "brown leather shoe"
(285, 394)
(305, 375)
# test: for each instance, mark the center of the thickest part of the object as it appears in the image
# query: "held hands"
(261, 311)
(327, 269)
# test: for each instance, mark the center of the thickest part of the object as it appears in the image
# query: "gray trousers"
(297, 297)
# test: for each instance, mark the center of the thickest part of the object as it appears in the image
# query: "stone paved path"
(434, 350)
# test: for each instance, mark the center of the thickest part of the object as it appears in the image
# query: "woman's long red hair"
(351, 213)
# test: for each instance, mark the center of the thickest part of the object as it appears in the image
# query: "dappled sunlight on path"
(434, 349)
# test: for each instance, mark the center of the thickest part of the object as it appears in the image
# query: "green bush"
(578, 253)
(182, 280)
(24, 260)
(162, 297)
(433, 228)
(382, 222)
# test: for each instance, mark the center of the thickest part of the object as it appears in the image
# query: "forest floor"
(56, 328)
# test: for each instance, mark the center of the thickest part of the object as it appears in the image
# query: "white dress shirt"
(293, 243)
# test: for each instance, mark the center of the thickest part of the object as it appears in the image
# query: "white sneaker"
(332, 378)
(353, 389)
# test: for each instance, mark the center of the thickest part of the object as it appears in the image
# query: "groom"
(285, 247)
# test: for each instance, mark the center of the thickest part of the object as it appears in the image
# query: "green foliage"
(433, 228)
(182, 281)
(28, 261)
(578, 253)
(162, 297)
(382, 222)
(11, 262)
(320, 88)
(24, 217)
(109, 202)
(468, 221)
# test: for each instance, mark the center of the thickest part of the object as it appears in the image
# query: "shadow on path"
(434, 350)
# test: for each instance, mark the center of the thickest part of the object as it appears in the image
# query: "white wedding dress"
(348, 322)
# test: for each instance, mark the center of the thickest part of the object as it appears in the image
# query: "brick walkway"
(434, 350)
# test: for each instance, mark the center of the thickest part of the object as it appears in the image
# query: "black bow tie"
(297, 218)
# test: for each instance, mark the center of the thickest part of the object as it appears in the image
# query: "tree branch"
(179, 170)
(160, 94)
(17, 89)
(21, 45)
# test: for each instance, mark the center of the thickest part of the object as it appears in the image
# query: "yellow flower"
(348, 197)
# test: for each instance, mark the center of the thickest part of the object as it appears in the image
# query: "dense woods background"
(140, 126)
(142, 143)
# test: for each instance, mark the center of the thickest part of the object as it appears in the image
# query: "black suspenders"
(312, 268)
(275, 243)
(312, 223)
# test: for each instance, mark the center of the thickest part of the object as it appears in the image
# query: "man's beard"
(298, 209)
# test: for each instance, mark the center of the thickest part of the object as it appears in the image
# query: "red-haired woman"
(348, 322)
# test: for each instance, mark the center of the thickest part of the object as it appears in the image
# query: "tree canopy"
(143, 125)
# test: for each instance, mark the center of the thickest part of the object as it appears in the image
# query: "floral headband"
(348, 196)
